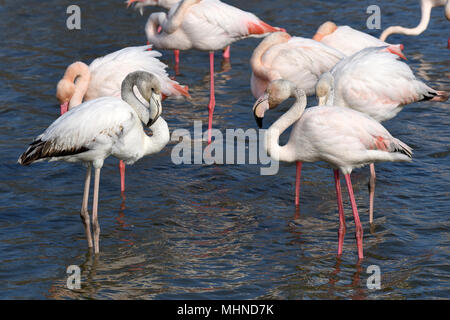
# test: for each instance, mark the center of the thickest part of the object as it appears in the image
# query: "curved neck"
(175, 20)
(78, 71)
(159, 139)
(256, 63)
(426, 7)
(151, 27)
(286, 152)
(129, 97)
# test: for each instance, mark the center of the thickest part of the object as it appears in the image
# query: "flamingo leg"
(177, 61)
(358, 226)
(342, 227)
(212, 99)
(122, 176)
(226, 53)
(84, 207)
(297, 183)
(371, 191)
(95, 224)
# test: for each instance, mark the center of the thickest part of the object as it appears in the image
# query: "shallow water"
(215, 231)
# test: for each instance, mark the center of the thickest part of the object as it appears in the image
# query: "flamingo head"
(325, 29)
(277, 91)
(324, 88)
(64, 92)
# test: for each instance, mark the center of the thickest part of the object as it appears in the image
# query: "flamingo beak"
(155, 108)
(259, 108)
(64, 107)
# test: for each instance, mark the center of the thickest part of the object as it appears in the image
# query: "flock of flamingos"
(359, 82)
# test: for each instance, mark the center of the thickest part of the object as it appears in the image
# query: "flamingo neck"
(287, 152)
(78, 73)
(129, 97)
(258, 67)
(426, 6)
(159, 139)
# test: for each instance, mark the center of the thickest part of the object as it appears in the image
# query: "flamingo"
(102, 127)
(425, 6)
(104, 76)
(300, 60)
(349, 41)
(206, 25)
(342, 137)
(377, 83)
(167, 4)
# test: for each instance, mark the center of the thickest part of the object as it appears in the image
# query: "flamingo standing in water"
(425, 6)
(377, 83)
(102, 127)
(206, 25)
(300, 60)
(104, 76)
(167, 4)
(349, 41)
(342, 137)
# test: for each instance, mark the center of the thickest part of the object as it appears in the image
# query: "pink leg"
(95, 224)
(371, 191)
(358, 226)
(297, 183)
(226, 53)
(122, 176)
(212, 99)
(177, 60)
(342, 228)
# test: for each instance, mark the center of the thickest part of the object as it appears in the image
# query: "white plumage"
(300, 60)
(108, 72)
(206, 25)
(374, 81)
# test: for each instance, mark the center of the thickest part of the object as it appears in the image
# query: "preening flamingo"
(104, 76)
(342, 137)
(349, 41)
(300, 60)
(206, 25)
(102, 127)
(374, 81)
(167, 4)
(425, 6)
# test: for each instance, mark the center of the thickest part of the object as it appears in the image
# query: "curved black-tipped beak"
(260, 106)
(155, 108)
(259, 121)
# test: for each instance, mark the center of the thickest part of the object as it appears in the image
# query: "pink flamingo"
(377, 83)
(342, 137)
(300, 60)
(349, 41)
(167, 4)
(206, 25)
(297, 59)
(426, 6)
(104, 76)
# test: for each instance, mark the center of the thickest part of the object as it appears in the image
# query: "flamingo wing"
(94, 125)
(301, 61)
(375, 82)
(108, 72)
(212, 21)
